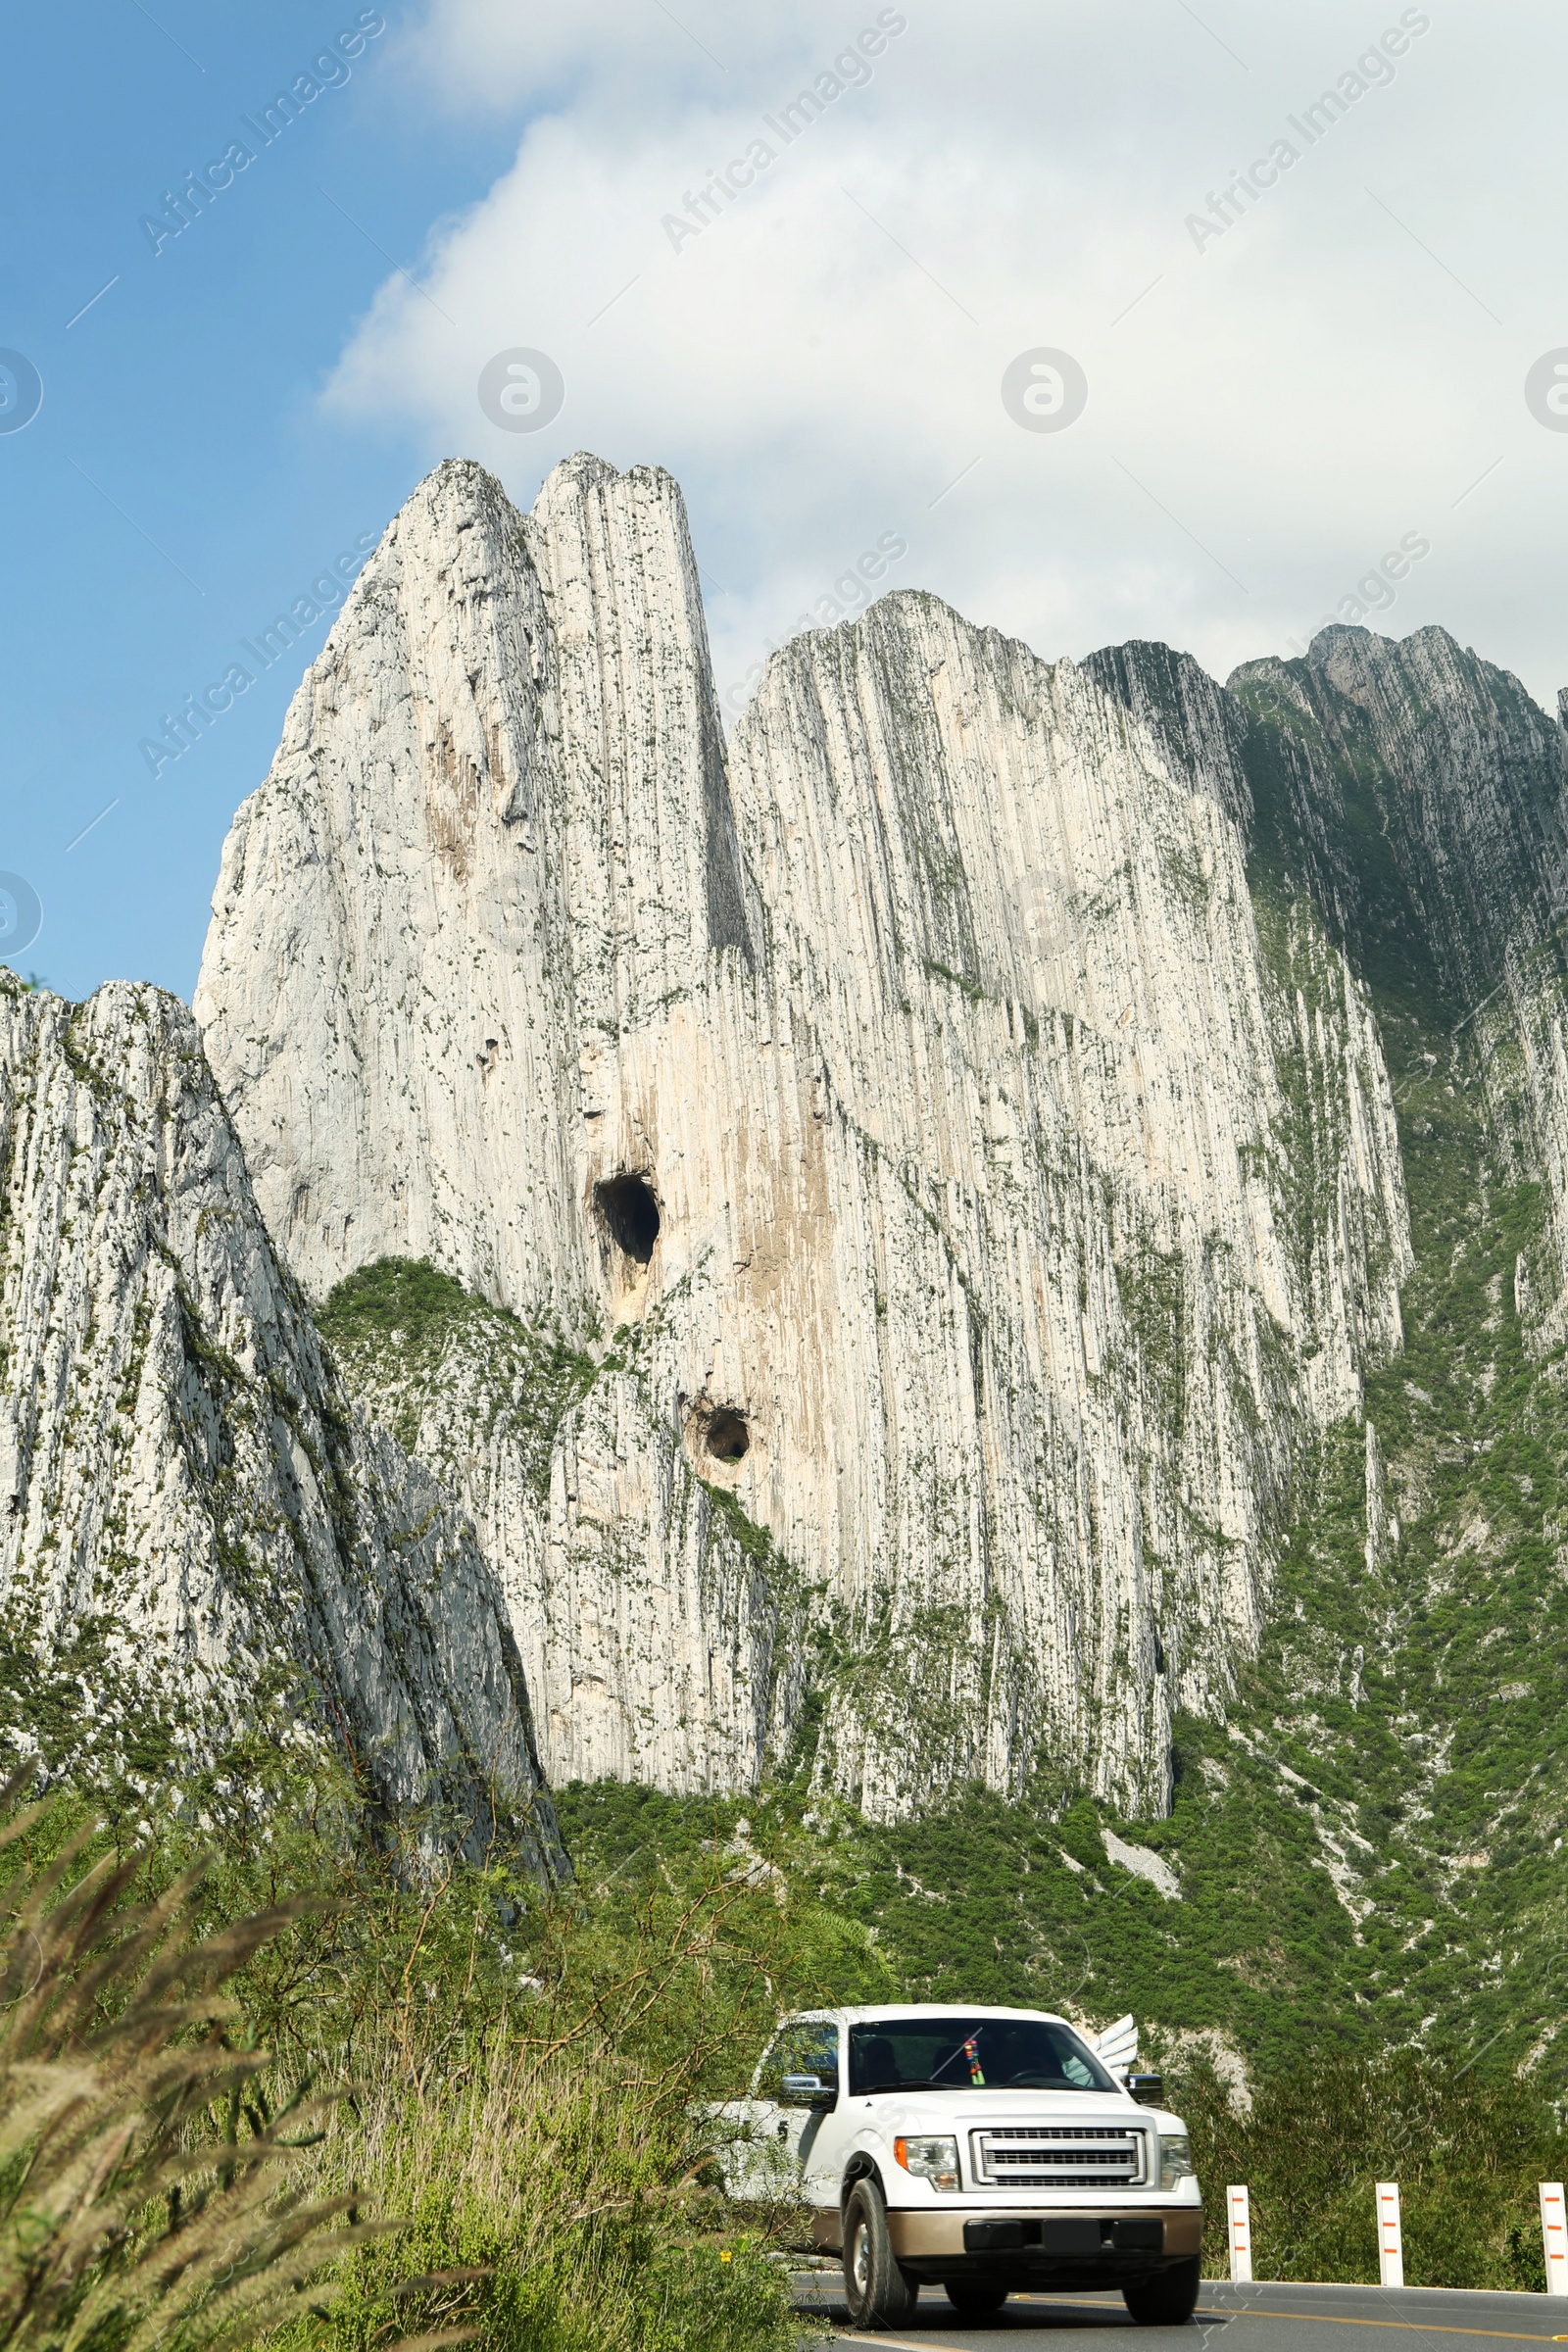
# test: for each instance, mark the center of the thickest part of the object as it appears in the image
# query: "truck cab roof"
(866, 2012)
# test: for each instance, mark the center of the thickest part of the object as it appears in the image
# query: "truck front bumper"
(1110, 2244)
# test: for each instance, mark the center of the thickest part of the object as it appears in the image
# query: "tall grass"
(585, 2209)
(144, 2190)
(561, 2141)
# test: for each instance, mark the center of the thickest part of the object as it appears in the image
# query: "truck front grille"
(1058, 2156)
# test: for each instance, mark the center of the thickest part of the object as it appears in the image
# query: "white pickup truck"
(989, 2149)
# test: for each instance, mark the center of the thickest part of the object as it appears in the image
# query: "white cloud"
(824, 357)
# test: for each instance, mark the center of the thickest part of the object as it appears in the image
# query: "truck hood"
(909, 2111)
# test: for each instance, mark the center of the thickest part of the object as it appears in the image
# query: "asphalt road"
(1231, 2319)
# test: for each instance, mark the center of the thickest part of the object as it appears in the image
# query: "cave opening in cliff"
(727, 1436)
(631, 1214)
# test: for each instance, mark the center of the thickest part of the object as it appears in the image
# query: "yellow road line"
(1265, 2310)
(1331, 2320)
(1509, 2335)
(1244, 2311)
(902, 2344)
(1249, 2311)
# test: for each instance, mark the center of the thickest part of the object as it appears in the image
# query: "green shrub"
(1467, 2153)
(521, 2078)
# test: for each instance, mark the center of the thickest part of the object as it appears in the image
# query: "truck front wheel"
(1165, 2300)
(879, 2290)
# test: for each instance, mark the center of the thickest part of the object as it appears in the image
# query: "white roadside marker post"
(1240, 2227)
(1553, 2238)
(1391, 2240)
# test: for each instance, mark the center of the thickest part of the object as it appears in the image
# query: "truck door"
(807, 2052)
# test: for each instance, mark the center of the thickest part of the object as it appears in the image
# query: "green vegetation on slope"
(983, 1902)
(1417, 1685)
(391, 1324)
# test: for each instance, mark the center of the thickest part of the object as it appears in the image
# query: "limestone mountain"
(1004, 1226)
(1415, 793)
(915, 1211)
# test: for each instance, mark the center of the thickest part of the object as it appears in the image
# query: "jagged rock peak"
(505, 772)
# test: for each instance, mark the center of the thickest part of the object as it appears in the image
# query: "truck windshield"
(971, 2053)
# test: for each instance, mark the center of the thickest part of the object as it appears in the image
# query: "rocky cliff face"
(1417, 794)
(1020, 923)
(185, 1487)
(962, 1203)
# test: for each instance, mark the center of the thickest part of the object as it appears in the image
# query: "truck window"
(971, 2053)
(811, 2047)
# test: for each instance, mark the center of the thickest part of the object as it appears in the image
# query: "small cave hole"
(630, 1214)
(727, 1438)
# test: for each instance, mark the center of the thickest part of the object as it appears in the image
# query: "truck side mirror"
(807, 2090)
(1148, 2089)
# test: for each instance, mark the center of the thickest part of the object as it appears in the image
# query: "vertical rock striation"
(1017, 913)
(964, 1203)
(181, 1468)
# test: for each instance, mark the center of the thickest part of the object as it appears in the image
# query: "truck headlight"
(930, 2159)
(1175, 2158)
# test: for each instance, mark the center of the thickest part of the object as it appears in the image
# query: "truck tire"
(879, 2290)
(1166, 2299)
(975, 2297)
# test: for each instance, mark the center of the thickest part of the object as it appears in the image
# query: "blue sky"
(181, 482)
(1285, 386)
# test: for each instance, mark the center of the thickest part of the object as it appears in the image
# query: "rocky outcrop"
(1418, 795)
(964, 1205)
(181, 1469)
(662, 1635)
(460, 987)
(1198, 728)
